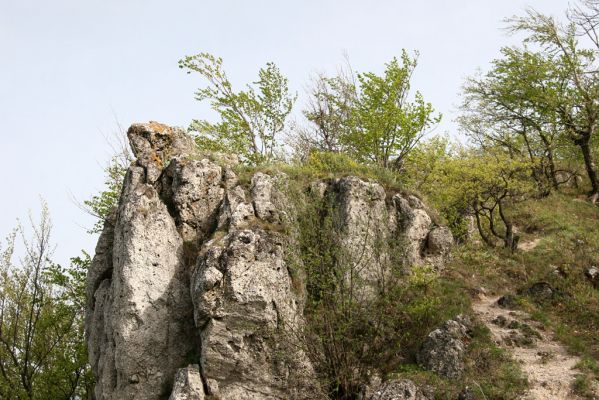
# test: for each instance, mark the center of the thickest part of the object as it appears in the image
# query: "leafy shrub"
(358, 325)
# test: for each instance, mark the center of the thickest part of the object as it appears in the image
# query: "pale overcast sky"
(70, 68)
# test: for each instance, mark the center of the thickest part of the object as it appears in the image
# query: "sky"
(72, 71)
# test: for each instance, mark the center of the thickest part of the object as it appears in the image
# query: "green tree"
(575, 75)
(485, 184)
(369, 116)
(421, 163)
(502, 110)
(250, 120)
(42, 351)
(386, 125)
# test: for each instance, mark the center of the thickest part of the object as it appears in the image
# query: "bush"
(357, 326)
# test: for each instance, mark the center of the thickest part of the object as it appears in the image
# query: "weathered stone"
(243, 296)
(139, 327)
(592, 274)
(188, 384)
(99, 297)
(269, 203)
(195, 191)
(236, 212)
(414, 225)
(403, 389)
(439, 241)
(363, 224)
(443, 350)
(154, 144)
(101, 267)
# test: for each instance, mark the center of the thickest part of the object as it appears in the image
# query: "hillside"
(553, 279)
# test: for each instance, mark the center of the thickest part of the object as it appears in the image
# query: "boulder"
(443, 350)
(439, 241)
(540, 291)
(592, 275)
(402, 389)
(426, 243)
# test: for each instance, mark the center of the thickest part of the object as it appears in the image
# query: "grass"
(582, 386)
(569, 243)
(325, 166)
(489, 372)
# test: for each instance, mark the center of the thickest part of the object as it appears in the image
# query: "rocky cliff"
(192, 285)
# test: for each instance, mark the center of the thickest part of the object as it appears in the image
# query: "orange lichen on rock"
(159, 128)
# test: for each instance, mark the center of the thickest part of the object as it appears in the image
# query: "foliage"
(386, 125)
(369, 116)
(498, 111)
(357, 326)
(102, 204)
(574, 75)
(42, 352)
(422, 162)
(483, 185)
(250, 120)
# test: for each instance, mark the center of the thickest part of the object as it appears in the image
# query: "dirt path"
(550, 369)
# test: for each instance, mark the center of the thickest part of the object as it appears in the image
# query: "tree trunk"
(479, 226)
(585, 148)
(552, 172)
(510, 240)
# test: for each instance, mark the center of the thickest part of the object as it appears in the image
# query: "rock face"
(188, 384)
(425, 242)
(139, 319)
(190, 292)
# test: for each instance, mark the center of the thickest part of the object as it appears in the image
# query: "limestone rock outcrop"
(191, 293)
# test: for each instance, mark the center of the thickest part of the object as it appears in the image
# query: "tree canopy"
(251, 120)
